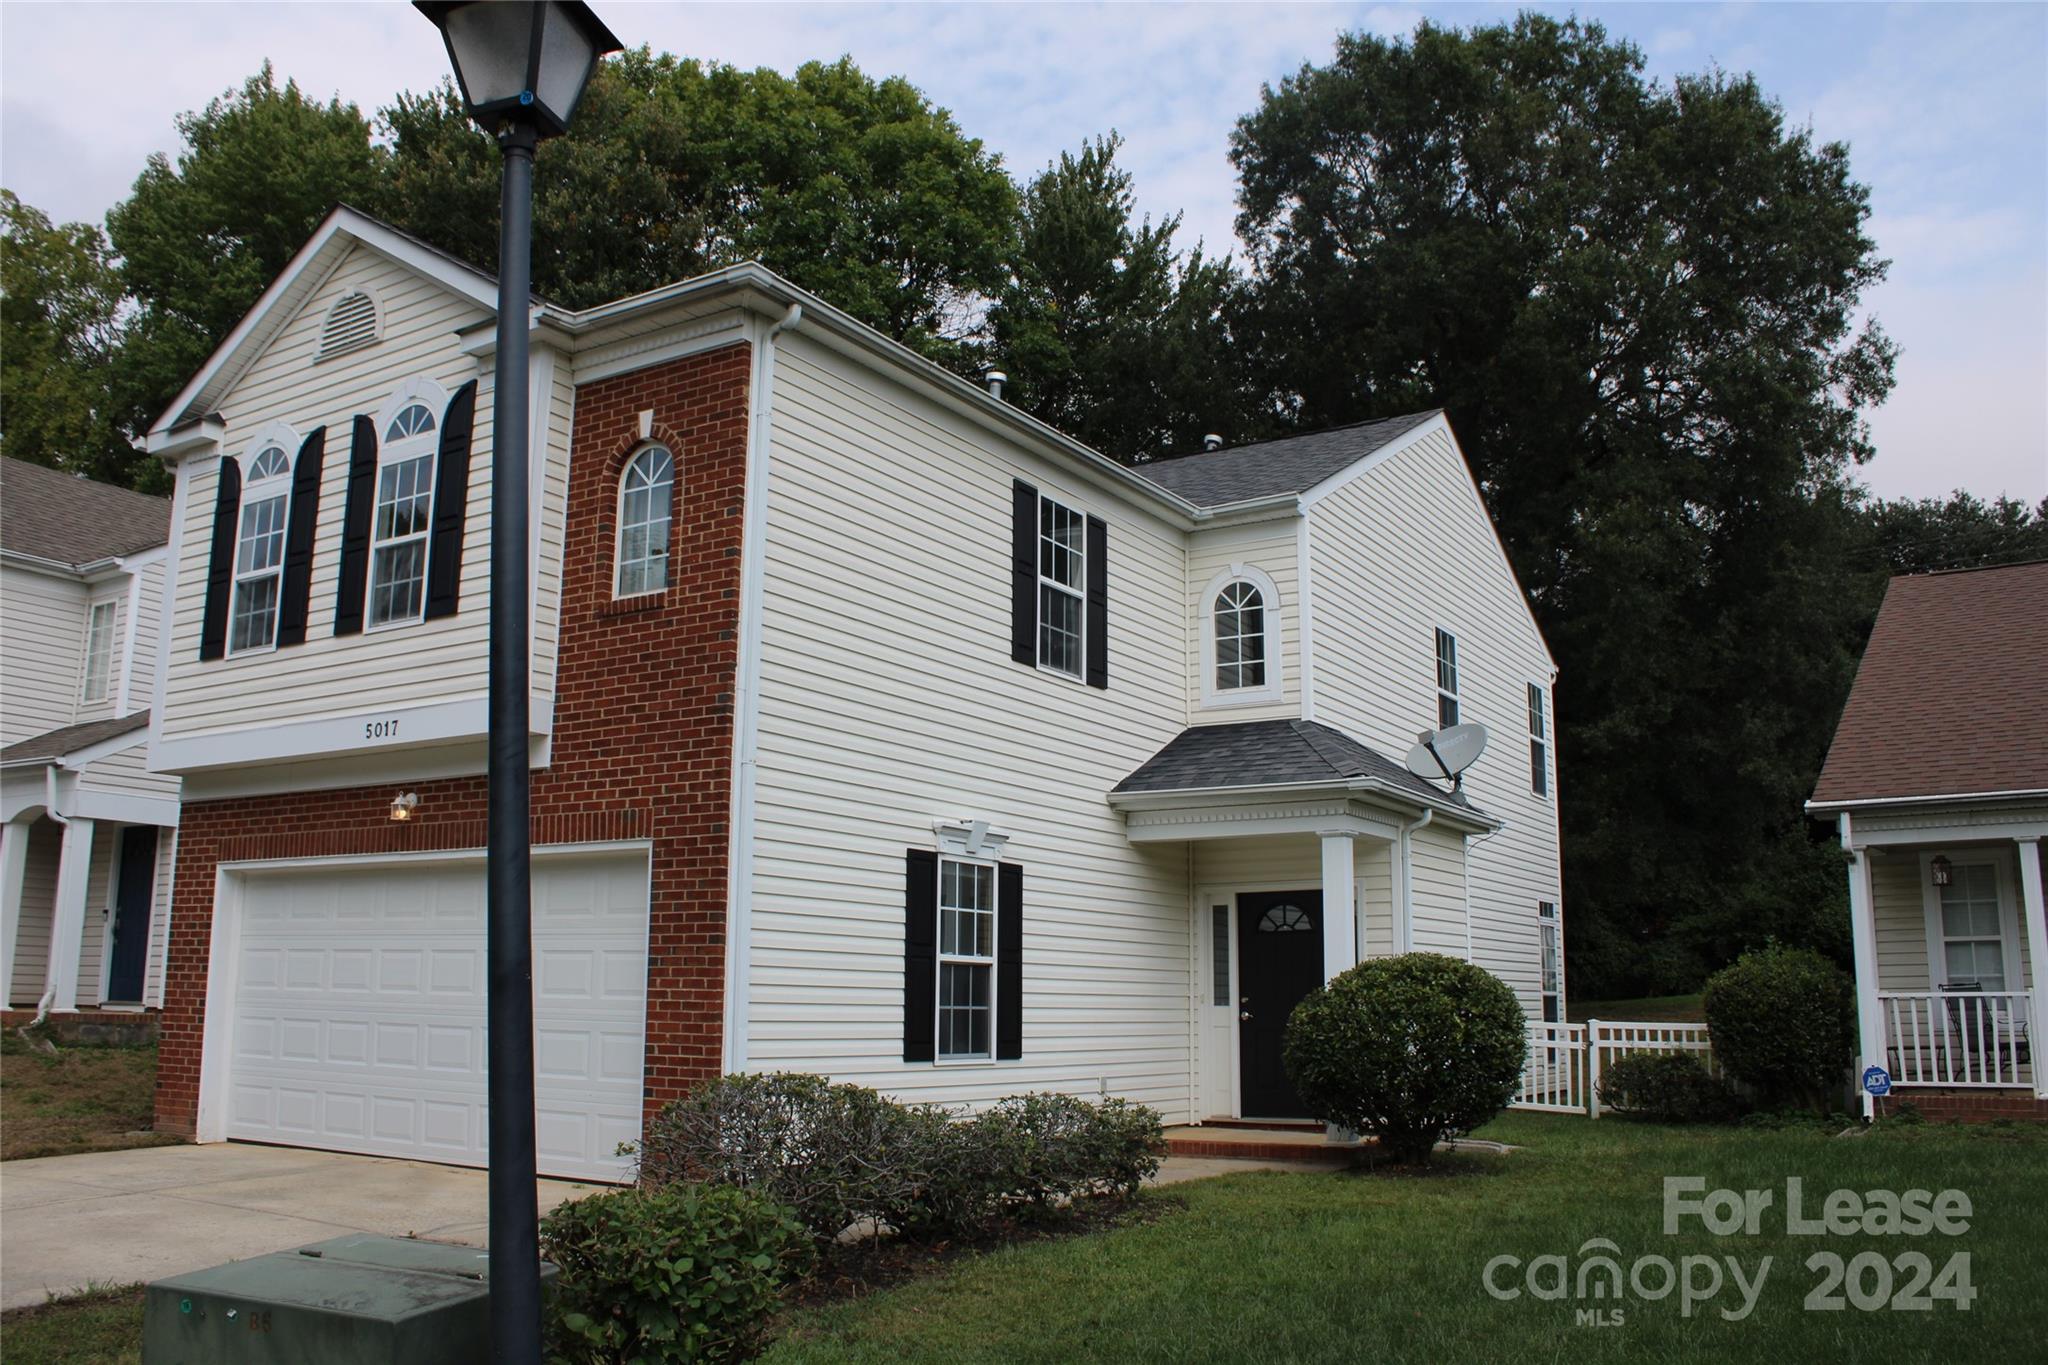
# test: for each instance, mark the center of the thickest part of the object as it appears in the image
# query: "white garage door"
(358, 1011)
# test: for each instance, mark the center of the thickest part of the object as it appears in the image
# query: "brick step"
(1293, 1143)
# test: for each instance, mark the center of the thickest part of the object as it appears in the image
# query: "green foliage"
(1961, 532)
(60, 329)
(1670, 1087)
(1105, 330)
(1044, 1149)
(1409, 1049)
(201, 239)
(676, 1274)
(1638, 303)
(1783, 1022)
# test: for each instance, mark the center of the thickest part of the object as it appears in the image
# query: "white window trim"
(2008, 913)
(1437, 636)
(1273, 689)
(619, 524)
(1541, 695)
(941, 958)
(286, 438)
(417, 389)
(92, 610)
(1549, 925)
(1080, 674)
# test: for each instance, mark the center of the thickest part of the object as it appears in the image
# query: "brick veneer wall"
(1966, 1104)
(642, 743)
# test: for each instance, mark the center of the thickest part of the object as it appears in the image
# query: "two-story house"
(878, 729)
(86, 830)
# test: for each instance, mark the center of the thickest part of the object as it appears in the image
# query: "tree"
(1636, 303)
(60, 326)
(201, 239)
(1106, 331)
(860, 190)
(1963, 532)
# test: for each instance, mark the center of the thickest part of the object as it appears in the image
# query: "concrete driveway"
(118, 1217)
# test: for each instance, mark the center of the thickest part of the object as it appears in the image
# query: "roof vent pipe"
(1212, 442)
(995, 379)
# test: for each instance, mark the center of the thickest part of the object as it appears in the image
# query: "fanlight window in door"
(1285, 919)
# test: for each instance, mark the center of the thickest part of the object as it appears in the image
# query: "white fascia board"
(1873, 803)
(1369, 789)
(161, 811)
(172, 444)
(81, 758)
(51, 568)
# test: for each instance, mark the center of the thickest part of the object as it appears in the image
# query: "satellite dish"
(1447, 753)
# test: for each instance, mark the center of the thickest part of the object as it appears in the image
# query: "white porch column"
(67, 920)
(1863, 941)
(2032, 907)
(1340, 905)
(13, 866)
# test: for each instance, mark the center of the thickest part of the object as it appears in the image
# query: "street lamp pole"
(522, 66)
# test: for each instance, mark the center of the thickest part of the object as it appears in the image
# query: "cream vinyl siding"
(142, 640)
(888, 700)
(1294, 862)
(126, 773)
(380, 669)
(99, 900)
(160, 917)
(1436, 859)
(1273, 548)
(38, 900)
(1900, 913)
(1401, 550)
(44, 619)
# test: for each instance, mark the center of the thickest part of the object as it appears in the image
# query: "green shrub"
(1408, 1049)
(1783, 1022)
(1670, 1087)
(832, 1154)
(1046, 1149)
(677, 1274)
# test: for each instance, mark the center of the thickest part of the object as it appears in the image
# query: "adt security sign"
(1877, 1080)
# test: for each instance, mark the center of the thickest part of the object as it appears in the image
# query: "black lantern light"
(1943, 870)
(523, 67)
(521, 61)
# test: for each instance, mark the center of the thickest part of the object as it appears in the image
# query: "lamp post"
(522, 67)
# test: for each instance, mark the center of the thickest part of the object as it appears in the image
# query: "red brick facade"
(1966, 1104)
(643, 734)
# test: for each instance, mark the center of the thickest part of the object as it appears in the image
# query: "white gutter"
(1946, 799)
(49, 995)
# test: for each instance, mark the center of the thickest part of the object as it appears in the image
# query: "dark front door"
(133, 891)
(1280, 960)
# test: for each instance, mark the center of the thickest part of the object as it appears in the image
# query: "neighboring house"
(877, 728)
(1938, 780)
(86, 831)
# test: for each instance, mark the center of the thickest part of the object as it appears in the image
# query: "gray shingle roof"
(1292, 464)
(1267, 753)
(59, 516)
(69, 739)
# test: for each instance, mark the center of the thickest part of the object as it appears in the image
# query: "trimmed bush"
(676, 1274)
(1669, 1087)
(1409, 1049)
(1048, 1149)
(1783, 1022)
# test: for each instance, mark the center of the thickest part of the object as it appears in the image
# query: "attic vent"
(351, 325)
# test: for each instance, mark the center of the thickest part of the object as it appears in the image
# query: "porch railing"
(1554, 1077)
(1958, 1038)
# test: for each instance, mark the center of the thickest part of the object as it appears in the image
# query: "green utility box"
(354, 1299)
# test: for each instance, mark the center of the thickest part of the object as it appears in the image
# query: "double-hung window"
(1539, 743)
(1553, 962)
(99, 652)
(966, 960)
(1446, 679)
(402, 516)
(1971, 929)
(259, 551)
(1062, 583)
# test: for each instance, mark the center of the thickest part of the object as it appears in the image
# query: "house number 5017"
(380, 729)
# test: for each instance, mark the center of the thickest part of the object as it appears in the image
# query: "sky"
(1944, 108)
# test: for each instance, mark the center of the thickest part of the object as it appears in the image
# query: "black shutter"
(1024, 573)
(451, 503)
(298, 539)
(355, 527)
(920, 954)
(220, 569)
(1009, 962)
(1098, 602)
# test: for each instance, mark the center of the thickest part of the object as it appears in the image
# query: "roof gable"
(51, 515)
(1948, 700)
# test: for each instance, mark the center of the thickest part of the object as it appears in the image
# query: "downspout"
(49, 809)
(746, 712)
(1404, 938)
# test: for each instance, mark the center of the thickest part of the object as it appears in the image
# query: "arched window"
(259, 543)
(646, 490)
(404, 508)
(1240, 637)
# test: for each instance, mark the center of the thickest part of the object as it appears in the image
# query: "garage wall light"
(403, 805)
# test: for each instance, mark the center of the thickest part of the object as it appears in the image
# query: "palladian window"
(403, 513)
(259, 551)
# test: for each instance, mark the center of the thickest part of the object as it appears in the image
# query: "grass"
(77, 1099)
(1344, 1267)
(102, 1326)
(1650, 1009)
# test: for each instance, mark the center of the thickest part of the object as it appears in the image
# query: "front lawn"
(1650, 1009)
(1360, 1267)
(77, 1099)
(100, 1327)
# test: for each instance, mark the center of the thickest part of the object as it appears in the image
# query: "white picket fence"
(1562, 1075)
